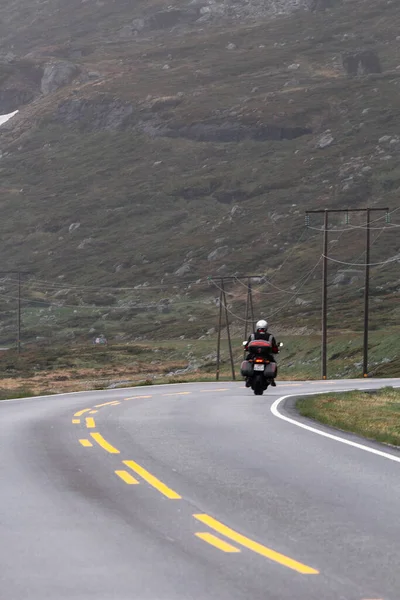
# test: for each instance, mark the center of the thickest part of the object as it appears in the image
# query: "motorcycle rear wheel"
(258, 387)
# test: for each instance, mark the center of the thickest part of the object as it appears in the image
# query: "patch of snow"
(5, 118)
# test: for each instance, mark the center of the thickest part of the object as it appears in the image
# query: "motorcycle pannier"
(246, 369)
(270, 370)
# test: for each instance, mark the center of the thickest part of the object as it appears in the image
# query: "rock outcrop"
(19, 83)
(318, 5)
(13, 99)
(362, 62)
(56, 75)
(233, 132)
(201, 11)
(101, 113)
(218, 253)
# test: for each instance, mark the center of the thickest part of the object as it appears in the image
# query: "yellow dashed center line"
(153, 481)
(219, 527)
(127, 477)
(92, 412)
(255, 546)
(81, 412)
(104, 444)
(217, 542)
(86, 443)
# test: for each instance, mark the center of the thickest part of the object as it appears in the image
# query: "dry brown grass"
(81, 379)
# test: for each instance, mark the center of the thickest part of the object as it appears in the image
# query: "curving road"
(198, 491)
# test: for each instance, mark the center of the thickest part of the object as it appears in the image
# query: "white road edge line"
(336, 438)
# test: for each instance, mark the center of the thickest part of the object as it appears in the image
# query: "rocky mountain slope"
(157, 145)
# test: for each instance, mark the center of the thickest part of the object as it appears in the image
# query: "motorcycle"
(259, 369)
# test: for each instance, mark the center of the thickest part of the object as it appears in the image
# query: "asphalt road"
(199, 491)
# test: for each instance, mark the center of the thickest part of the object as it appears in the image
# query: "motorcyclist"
(262, 333)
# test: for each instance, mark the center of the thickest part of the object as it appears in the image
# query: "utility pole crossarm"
(345, 210)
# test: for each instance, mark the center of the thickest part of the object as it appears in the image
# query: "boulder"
(362, 62)
(138, 25)
(325, 140)
(348, 276)
(183, 270)
(56, 75)
(165, 102)
(218, 253)
(302, 302)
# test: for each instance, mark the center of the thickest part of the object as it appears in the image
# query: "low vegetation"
(55, 368)
(373, 414)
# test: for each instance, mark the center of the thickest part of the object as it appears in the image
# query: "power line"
(387, 217)
(350, 228)
(297, 291)
(385, 262)
(226, 307)
(366, 265)
(270, 275)
(387, 227)
(178, 284)
(95, 307)
(279, 289)
(293, 295)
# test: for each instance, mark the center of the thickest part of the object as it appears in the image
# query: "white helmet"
(262, 325)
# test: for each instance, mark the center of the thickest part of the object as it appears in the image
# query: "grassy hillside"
(190, 150)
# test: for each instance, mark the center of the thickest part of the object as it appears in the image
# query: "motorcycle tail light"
(259, 360)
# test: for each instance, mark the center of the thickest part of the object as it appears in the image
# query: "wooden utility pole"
(324, 297)
(253, 324)
(223, 309)
(222, 306)
(228, 331)
(366, 295)
(219, 335)
(19, 315)
(326, 212)
(19, 273)
(249, 308)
